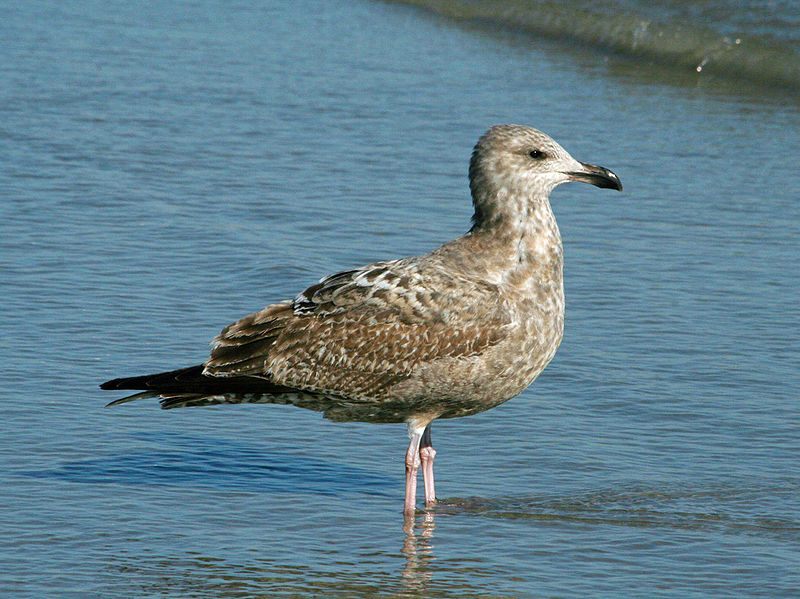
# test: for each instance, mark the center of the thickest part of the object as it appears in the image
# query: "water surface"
(167, 170)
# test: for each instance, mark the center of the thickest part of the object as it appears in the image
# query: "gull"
(446, 334)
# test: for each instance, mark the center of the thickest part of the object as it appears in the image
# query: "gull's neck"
(522, 241)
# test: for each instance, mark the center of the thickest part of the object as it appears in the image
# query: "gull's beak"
(596, 175)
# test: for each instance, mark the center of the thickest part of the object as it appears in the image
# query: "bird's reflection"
(418, 550)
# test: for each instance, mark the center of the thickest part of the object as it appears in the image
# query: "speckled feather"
(363, 333)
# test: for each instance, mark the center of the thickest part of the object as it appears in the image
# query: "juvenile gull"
(450, 333)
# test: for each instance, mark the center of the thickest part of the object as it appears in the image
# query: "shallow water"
(167, 171)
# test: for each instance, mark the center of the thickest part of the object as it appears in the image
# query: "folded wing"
(356, 333)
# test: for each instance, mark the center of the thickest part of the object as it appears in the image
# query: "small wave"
(746, 509)
(686, 47)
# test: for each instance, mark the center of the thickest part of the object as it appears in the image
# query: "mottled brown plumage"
(449, 333)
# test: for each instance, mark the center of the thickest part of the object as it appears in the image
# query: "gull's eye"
(536, 154)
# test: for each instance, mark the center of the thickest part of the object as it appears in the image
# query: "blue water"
(166, 170)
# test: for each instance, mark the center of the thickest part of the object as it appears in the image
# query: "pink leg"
(426, 454)
(412, 466)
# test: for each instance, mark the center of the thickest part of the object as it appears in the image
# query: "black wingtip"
(189, 386)
(131, 382)
(134, 397)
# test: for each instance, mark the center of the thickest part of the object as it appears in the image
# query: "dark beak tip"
(597, 176)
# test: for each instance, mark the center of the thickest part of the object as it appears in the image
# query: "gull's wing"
(356, 333)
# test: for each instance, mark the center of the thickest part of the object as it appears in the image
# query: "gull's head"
(514, 161)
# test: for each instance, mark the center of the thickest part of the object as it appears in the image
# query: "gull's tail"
(190, 387)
